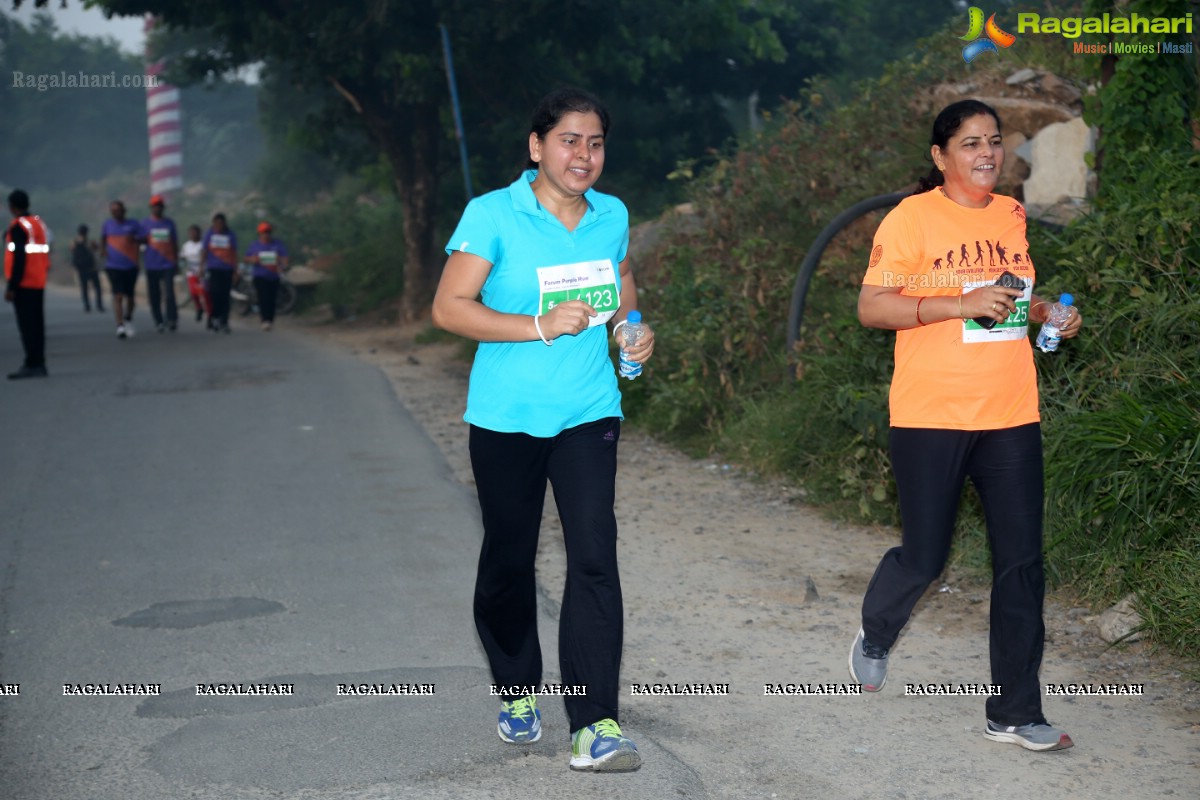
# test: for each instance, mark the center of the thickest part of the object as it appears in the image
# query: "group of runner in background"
(209, 260)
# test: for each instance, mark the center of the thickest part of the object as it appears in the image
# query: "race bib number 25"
(593, 282)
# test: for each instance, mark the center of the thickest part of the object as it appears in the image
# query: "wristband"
(960, 316)
(919, 301)
(617, 327)
(541, 335)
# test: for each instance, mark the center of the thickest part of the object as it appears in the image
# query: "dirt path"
(730, 581)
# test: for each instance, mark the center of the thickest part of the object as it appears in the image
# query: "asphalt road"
(190, 509)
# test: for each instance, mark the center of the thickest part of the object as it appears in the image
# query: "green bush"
(360, 231)
(1121, 406)
(719, 291)
(1122, 402)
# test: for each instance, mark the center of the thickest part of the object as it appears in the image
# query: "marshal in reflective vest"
(37, 252)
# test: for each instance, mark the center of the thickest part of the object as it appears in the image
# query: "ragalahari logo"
(993, 36)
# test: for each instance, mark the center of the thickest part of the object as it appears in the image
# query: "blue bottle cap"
(1066, 299)
(635, 316)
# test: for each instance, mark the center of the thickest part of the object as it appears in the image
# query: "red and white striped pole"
(164, 126)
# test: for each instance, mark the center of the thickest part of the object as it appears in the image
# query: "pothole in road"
(193, 613)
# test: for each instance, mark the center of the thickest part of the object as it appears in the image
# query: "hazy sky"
(87, 21)
(91, 22)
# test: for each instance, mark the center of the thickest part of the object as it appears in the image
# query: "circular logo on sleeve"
(876, 255)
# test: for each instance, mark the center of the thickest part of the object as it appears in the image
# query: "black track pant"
(220, 282)
(1006, 467)
(29, 305)
(90, 278)
(160, 287)
(511, 470)
(267, 289)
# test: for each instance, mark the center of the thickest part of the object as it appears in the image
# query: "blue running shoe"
(603, 748)
(520, 721)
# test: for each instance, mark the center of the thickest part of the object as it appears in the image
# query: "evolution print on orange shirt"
(930, 246)
(929, 242)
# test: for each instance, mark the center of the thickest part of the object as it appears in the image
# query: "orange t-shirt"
(954, 374)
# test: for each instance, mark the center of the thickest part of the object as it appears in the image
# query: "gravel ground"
(731, 580)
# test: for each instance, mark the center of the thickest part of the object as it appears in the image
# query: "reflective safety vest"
(37, 252)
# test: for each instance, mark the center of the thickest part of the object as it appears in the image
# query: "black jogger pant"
(220, 282)
(1006, 467)
(511, 470)
(267, 290)
(29, 305)
(160, 285)
(90, 278)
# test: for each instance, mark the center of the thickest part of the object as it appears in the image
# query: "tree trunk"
(409, 136)
(414, 160)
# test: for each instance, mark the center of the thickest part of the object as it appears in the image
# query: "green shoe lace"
(607, 727)
(522, 707)
(583, 738)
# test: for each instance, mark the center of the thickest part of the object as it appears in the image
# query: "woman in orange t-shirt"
(963, 403)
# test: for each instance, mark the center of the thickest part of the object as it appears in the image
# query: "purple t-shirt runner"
(222, 249)
(270, 258)
(162, 249)
(121, 243)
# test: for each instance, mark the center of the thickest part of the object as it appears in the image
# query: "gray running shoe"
(868, 663)
(1034, 736)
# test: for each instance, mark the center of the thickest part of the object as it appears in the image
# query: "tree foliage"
(673, 73)
(1147, 102)
(39, 127)
(1120, 404)
(63, 137)
(682, 78)
(381, 58)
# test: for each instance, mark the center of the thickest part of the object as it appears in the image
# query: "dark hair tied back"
(556, 105)
(945, 126)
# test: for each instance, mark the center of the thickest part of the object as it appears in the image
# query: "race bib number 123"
(593, 282)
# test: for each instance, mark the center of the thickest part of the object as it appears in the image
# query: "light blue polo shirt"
(527, 387)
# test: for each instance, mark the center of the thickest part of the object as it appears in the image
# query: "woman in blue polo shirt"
(535, 273)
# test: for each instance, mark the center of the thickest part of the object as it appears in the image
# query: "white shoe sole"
(616, 761)
(1011, 738)
(534, 738)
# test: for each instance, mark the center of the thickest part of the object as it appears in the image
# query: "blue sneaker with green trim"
(602, 747)
(520, 721)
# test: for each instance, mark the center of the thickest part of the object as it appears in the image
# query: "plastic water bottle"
(631, 332)
(1050, 335)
